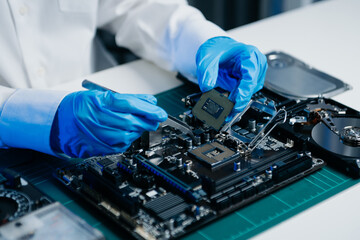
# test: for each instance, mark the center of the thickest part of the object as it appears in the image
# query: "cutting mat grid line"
(243, 233)
(328, 178)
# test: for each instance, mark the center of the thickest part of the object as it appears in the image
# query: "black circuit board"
(187, 173)
(18, 197)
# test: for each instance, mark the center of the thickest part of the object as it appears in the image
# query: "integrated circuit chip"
(167, 206)
(213, 108)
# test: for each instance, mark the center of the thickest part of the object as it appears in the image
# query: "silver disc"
(332, 142)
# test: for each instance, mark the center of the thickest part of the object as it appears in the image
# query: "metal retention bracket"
(277, 117)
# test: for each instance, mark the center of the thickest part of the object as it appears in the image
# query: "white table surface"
(325, 35)
(136, 77)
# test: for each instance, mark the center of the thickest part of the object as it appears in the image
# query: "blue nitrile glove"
(233, 66)
(92, 123)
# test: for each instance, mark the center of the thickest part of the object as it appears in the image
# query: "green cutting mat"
(241, 224)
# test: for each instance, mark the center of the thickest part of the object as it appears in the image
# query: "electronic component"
(351, 135)
(213, 108)
(346, 144)
(342, 148)
(167, 206)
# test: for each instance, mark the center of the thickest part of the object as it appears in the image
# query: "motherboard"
(201, 165)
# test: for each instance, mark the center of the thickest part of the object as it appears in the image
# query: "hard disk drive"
(197, 167)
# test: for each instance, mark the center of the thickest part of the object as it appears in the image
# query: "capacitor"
(170, 224)
(206, 137)
(197, 140)
(237, 166)
(252, 125)
(187, 165)
(188, 143)
(269, 173)
(179, 162)
(173, 135)
(259, 126)
(195, 209)
(130, 160)
(166, 130)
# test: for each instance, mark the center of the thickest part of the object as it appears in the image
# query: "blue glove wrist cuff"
(27, 117)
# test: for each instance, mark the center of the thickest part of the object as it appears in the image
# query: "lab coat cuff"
(194, 33)
(27, 117)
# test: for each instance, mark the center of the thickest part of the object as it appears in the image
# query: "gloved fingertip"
(232, 114)
(228, 118)
(258, 87)
(156, 127)
(157, 114)
(152, 126)
(153, 99)
(162, 115)
(240, 109)
(148, 98)
(241, 103)
(205, 88)
(207, 73)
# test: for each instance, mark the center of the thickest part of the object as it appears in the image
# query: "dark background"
(229, 14)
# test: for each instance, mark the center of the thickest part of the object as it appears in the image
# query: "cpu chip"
(213, 108)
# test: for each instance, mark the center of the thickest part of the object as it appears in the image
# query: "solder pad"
(213, 108)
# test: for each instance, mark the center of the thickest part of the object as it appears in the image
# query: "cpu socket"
(213, 154)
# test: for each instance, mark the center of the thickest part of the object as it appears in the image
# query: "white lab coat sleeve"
(5, 93)
(26, 118)
(166, 32)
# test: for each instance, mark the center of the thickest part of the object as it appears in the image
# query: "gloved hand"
(233, 66)
(92, 123)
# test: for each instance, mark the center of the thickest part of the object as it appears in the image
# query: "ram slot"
(170, 180)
